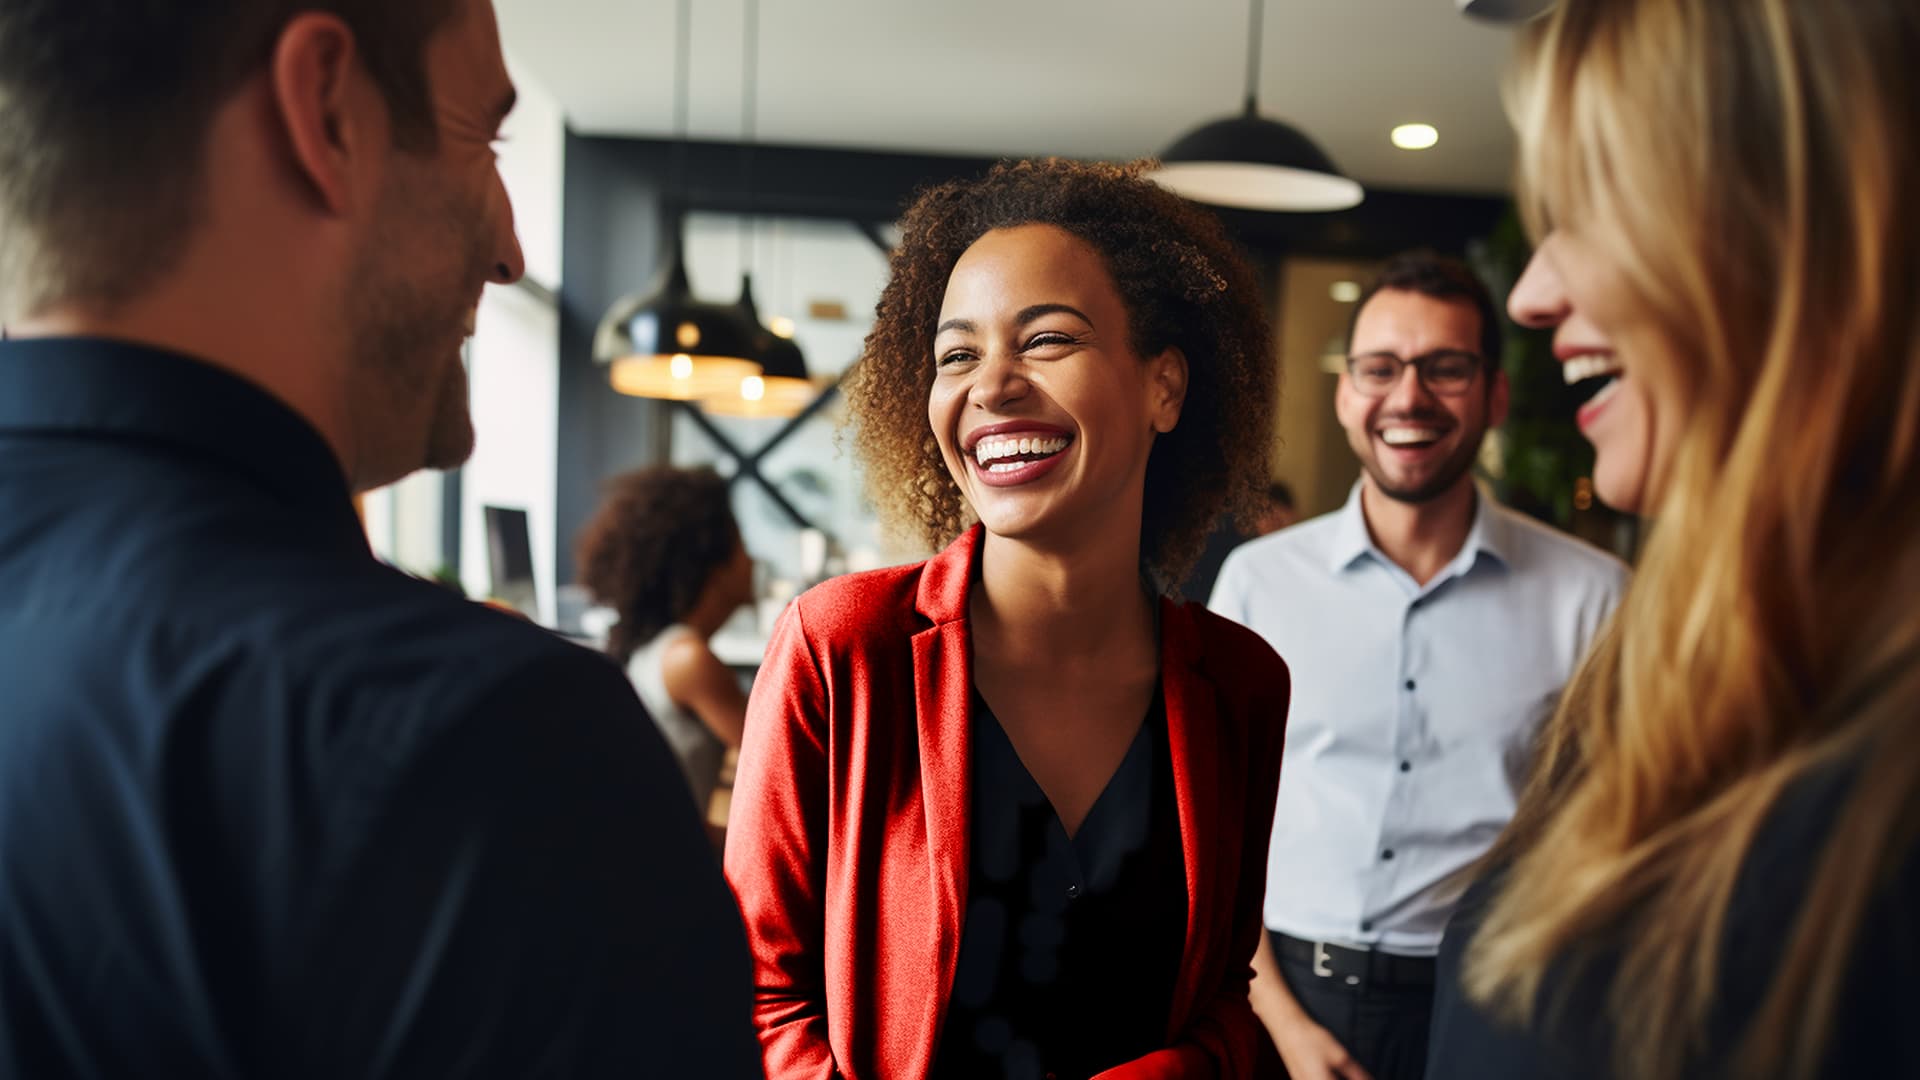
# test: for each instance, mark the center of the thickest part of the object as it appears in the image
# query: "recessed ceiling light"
(1415, 136)
(1345, 291)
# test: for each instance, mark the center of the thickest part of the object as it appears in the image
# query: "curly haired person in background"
(664, 552)
(1715, 869)
(1004, 812)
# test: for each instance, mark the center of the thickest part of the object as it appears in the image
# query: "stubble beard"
(450, 432)
(408, 386)
(1442, 481)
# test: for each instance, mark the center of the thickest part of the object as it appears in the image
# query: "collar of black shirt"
(132, 393)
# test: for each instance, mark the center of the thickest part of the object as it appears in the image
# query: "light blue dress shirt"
(1414, 708)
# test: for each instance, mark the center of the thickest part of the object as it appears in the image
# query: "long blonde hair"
(1750, 169)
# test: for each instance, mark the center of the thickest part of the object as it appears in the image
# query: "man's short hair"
(105, 109)
(1432, 274)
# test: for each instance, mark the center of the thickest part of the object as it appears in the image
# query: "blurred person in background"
(1000, 813)
(1430, 631)
(664, 552)
(1715, 870)
(267, 807)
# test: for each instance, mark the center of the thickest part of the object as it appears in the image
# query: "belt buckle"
(1320, 958)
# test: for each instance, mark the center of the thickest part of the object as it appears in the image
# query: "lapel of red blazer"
(942, 695)
(1193, 736)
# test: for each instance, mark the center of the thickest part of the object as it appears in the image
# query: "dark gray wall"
(610, 239)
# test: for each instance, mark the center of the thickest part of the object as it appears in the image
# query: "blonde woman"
(1714, 871)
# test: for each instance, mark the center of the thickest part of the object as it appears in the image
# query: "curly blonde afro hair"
(1183, 284)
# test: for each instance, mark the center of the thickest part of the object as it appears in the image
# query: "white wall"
(515, 368)
(533, 164)
(403, 523)
(516, 388)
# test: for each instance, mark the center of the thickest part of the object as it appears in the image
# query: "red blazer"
(847, 845)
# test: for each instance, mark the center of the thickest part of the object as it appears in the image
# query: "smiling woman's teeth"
(1594, 378)
(1582, 368)
(994, 453)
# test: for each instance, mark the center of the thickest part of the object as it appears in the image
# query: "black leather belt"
(1355, 967)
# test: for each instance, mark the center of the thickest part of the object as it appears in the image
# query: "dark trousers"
(1383, 1027)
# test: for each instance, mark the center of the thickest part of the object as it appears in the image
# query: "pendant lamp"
(1250, 162)
(782, 389)
(662, 342)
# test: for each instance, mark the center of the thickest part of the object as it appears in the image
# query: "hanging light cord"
(749, 106)
(682, 48)
(1253, 52)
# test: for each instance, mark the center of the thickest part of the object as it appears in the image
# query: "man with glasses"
(1429, 630)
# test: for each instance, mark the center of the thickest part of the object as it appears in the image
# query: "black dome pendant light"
(1250, 162)
(782, 389)
(662, 342)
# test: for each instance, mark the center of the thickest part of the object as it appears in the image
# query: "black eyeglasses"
(1447, 372)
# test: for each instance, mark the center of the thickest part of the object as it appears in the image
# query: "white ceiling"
(1086, 78)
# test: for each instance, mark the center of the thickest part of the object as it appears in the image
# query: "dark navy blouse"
(1872, 1033)
(1071, 944)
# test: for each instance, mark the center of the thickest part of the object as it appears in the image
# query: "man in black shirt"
(268, 808)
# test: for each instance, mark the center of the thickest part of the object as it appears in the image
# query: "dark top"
(1071, 944)
(1873, 1033)
(271, 809)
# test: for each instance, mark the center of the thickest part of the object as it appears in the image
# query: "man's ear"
(1168, 382)
(313, 76)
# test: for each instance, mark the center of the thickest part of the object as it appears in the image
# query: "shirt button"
(1410, 684)
(1367, 927)
(1406, 766)
(1073, 892)
(1387, 854)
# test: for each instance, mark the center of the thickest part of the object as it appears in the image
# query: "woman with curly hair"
(664, 552)
(1005, 812)
(1715, 870)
